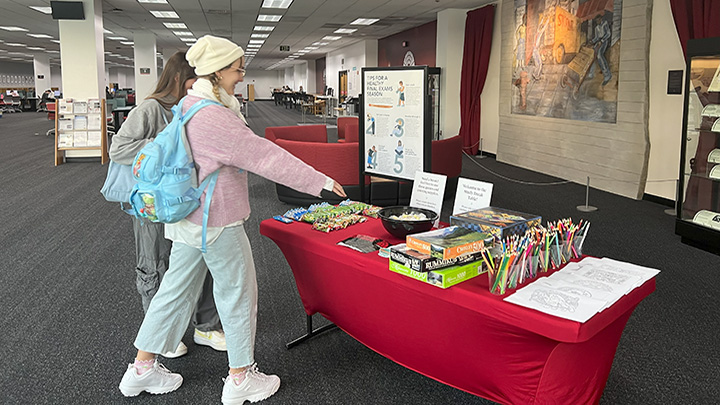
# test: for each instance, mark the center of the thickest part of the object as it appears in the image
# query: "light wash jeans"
(230, 262)
(152, 252)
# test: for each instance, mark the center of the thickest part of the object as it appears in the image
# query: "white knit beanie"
(210, 54)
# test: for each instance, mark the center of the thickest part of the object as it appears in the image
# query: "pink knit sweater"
(219, 139)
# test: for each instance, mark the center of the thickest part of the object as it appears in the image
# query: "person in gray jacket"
(152, 250)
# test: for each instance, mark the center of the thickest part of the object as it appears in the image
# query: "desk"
(463, 336)
(119, 116)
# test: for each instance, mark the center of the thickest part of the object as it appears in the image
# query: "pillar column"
(82, 54)
(145, 64)
(82, 60)
(449, 56)
(43, 77)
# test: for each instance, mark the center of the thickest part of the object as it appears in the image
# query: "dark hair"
(176, 72)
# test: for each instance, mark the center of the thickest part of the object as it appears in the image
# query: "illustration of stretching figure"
(398, 130)
(370, 130)
(399, 149)
(401, 90)
(372, 158)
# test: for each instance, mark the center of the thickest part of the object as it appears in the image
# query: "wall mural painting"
(566, 59)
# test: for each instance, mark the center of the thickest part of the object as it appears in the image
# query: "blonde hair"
(215, 81)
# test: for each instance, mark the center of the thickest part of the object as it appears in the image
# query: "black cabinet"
(698, 215)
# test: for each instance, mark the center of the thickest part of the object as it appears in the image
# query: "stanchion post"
(480, 156)
(586, 207)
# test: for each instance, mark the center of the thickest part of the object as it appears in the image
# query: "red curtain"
(476, 56)
(696, 19)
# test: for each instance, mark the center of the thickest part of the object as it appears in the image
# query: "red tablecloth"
(462, 336)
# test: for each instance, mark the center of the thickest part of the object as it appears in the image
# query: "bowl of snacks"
(401, 221)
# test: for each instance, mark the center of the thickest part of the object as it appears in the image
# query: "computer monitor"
(8, 92)
(57, 93)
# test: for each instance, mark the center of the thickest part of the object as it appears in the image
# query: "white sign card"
(394, 122)
(471, 195)
(428, 192)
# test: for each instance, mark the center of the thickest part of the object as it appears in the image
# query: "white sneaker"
(180, 351)
(213, 338)
(157, 380)
(255, 387)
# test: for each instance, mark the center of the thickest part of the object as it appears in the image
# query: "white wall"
(489, 106)
(311, 87)
(448, 57)
(56, 77)
(665, 110)
(358, 55)
(300, 76)
(264, 81)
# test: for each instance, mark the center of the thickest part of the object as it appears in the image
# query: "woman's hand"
(338, 189)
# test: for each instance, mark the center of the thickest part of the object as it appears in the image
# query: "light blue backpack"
(166, 189)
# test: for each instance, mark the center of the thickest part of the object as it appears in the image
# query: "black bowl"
(399, 228)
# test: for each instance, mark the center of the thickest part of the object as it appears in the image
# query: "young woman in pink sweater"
(219, 139)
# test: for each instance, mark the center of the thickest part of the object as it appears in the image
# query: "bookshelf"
(80, 125)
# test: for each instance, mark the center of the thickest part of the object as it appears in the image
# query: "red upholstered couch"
(337, 160)
(340, 161)
(305, 133)
(342, 130)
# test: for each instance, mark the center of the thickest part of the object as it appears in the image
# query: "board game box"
(447, 243)
(423, 262)
(442, 278)
(499, 222)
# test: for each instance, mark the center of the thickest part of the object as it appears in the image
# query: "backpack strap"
(206, 207)
(184, 118)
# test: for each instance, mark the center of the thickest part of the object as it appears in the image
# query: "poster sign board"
(471, 195)
(394, 122)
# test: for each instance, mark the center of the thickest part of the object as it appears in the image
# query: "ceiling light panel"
(127, 42)
(175, 25)
(14, 44)
(44, 10)
(39, 35)
(330, 38)
(365, 21)
(118, 38)
(269, 18)
(345, 30)
(256, 41)
(6, 28)
(153, 1)
(259, 35)
(276, 3)
(183, 33)
(320, 43)
(164, 14)
(263, 28)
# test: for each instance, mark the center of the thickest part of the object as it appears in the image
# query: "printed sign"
(428, 192)
(393, 121)
(471, 195)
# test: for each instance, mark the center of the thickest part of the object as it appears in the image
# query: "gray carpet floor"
(67, 292)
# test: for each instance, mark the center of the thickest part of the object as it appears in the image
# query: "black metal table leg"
(310, 332)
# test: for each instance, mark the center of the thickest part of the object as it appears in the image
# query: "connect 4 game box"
(498, 222)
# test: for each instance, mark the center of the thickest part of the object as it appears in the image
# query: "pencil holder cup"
(576, 248)
(533, 266)
(543, 261)
(497, 281)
